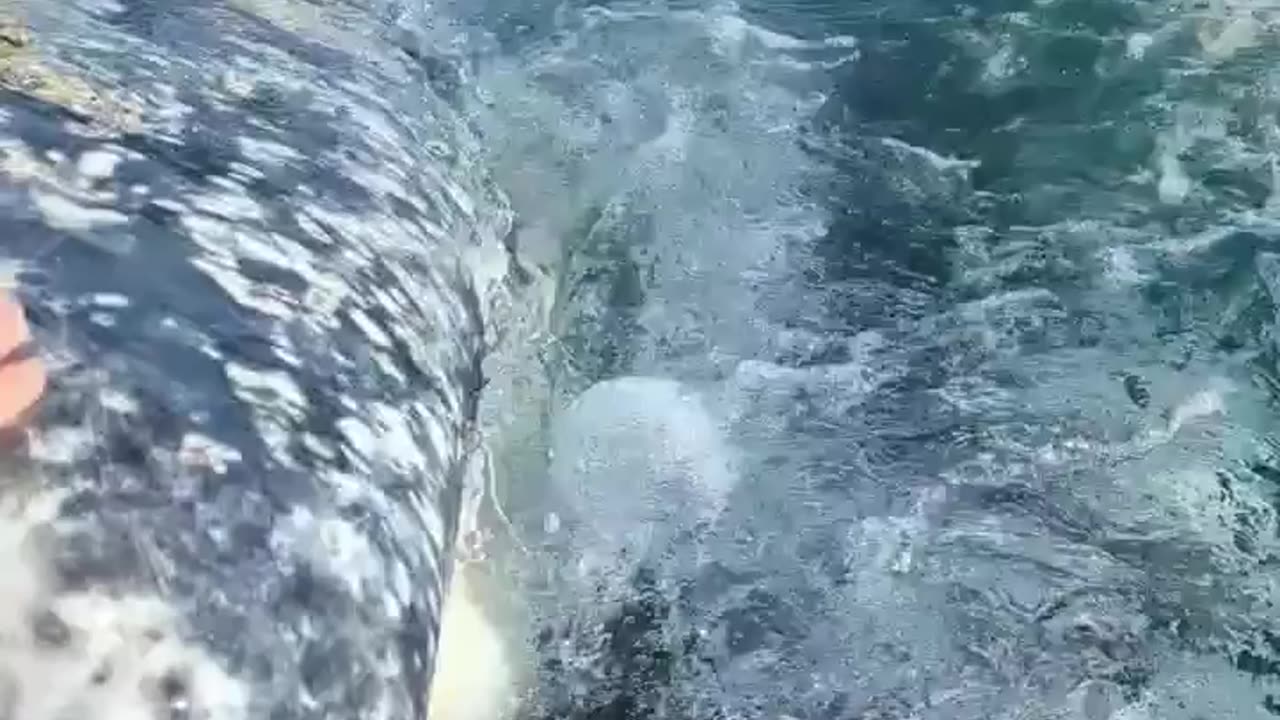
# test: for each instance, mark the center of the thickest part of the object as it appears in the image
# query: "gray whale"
(265, 268)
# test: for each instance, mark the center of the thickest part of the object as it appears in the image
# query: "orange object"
(22, 375)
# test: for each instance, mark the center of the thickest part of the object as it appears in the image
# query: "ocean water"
(769, 360)
(978, 300)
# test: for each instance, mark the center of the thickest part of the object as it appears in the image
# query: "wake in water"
(985, 327)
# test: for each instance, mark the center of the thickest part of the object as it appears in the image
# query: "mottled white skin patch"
(332, 545)
(65, 194)
(98, 164)
(636, 461)
(65, 213)
(90, 654)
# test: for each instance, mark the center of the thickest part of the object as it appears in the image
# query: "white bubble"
(637, 460)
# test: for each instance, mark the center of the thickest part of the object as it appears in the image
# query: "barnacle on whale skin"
(24, 70)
